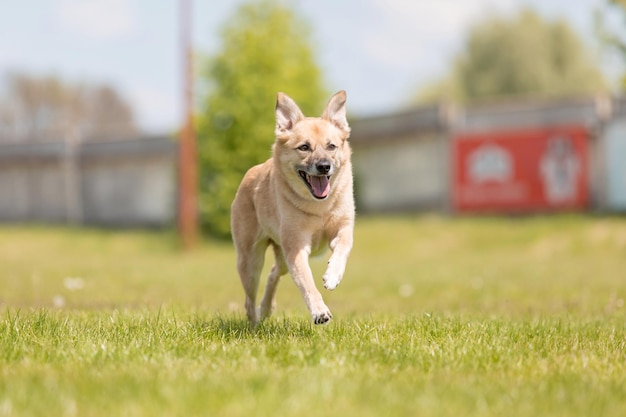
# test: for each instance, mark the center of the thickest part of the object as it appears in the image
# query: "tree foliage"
(48, 108)
(614, 38)
(265, 49)
(523, 55)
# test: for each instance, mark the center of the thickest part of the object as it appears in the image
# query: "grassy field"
(435, 317)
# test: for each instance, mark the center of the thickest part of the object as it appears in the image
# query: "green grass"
(435, 317)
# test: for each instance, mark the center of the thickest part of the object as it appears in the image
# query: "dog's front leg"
(298, 264)
(341, 245)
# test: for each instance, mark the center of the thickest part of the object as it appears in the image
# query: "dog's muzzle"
(319, 185)
(318, 181)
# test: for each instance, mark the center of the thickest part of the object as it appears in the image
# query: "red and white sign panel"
(521, 170)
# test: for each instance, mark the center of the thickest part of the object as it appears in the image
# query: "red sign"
(521, 170)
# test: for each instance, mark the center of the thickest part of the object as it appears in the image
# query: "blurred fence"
(612, 161)
(517, 156)
(111, 183)
(400, 160)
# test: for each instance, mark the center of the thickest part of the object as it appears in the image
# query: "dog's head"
(311, 151)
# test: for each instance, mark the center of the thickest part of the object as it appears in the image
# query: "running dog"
(298, 202)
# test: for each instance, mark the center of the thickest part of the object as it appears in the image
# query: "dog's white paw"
(322, 318)
(331, 281)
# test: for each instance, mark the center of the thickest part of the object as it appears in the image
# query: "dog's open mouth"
(319, 185)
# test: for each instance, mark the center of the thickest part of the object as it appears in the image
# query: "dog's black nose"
(323, 167)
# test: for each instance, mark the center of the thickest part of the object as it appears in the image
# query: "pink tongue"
(320, 185)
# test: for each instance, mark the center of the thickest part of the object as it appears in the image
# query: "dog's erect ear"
(335, 111)
(287, 114)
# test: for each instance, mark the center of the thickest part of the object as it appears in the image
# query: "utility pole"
(188, 155)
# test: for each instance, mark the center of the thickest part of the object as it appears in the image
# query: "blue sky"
(380, 51)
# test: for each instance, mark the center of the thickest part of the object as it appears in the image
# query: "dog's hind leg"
(268, 304)
(249, 265)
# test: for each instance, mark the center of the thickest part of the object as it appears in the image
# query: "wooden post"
(188, 160)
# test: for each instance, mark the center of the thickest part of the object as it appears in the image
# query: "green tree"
(523, 55)
(613, 38)
(265, 49)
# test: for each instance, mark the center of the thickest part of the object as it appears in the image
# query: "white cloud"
(156, 109)
(97, 19)
(9, 55)
(416, 31)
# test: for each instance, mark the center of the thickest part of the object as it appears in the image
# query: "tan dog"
(298, 201)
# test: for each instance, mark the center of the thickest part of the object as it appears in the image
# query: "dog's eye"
(331, 147)
(304, 147)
